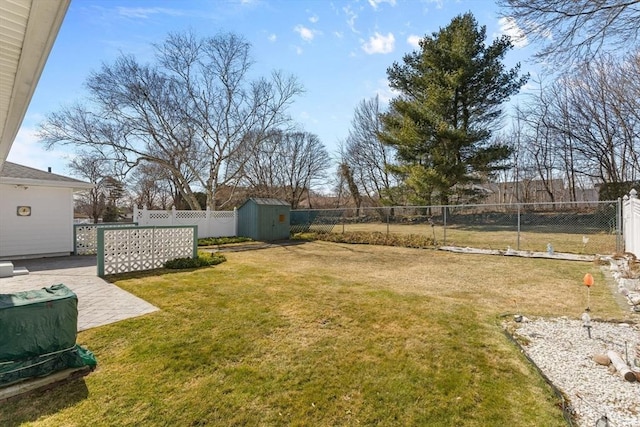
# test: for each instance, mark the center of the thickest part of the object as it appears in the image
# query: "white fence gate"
(631, 223)
(210, 223)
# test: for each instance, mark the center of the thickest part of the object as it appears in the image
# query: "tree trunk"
(621, 366)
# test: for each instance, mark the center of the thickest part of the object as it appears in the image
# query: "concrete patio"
(99, 302)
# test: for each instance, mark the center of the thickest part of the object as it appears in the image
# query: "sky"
(338, 50)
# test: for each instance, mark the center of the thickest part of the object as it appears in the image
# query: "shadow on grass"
(112, 278)
(31, 406)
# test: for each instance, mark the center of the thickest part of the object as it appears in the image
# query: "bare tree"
(367, 158)
(94, 169)
(347, 176)
(583, 128)
(150, 187)
(576, 30)
(539, 152)
(286, 165)
(190, 112)
(598, 121)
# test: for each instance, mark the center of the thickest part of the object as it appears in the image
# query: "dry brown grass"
(488, 238)
(493, 284)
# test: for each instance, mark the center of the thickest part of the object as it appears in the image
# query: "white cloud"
(439, 3)
(146, 12)
(351, 18)
(272, 38)
(414, 40)
(298, 50)
(375, 3)
(313, 19)
(338, 34)
(509, 26)
(307, 34)
(379, 43)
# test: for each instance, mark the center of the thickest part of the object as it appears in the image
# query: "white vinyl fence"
(631, 223)
(209, 223)
(125, 249)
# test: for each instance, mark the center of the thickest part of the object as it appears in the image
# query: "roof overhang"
(26, 182)
(28, 30)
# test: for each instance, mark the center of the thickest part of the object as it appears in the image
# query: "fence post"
(444, 227)
(135, 213)
(208, 228)
(518, 239)
(619, 221)
(235, 221)
(631, 240)
(173, 215)
(388, 210)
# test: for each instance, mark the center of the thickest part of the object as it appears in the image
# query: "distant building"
(534, 191)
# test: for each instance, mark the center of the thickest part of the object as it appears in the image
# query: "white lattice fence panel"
(159, 218)
(190, 215)
(143, 248)
(198, 218)
(222, 224)
(209, 223)
(86, 237)
(228, 215)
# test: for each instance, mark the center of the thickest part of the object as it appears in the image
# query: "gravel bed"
(563, 351)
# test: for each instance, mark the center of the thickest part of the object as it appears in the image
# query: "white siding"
(49, 229)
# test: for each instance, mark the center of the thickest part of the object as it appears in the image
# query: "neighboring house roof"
(13, 173)
(269, 202)
(28, 29)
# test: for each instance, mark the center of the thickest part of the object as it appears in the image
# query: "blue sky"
(338, 50)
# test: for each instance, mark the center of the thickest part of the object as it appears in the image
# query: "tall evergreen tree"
(451, 91)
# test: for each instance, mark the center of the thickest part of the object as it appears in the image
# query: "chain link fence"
(572, 227)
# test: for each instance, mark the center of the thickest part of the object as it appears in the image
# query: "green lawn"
(323, 334)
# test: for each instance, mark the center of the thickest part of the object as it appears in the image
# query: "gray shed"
(264, 219)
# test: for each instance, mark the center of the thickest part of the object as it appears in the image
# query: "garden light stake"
(586, 319)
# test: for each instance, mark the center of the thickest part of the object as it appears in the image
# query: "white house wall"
(48, 231)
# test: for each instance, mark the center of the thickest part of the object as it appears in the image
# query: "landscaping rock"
(563, 351)
(602, 359)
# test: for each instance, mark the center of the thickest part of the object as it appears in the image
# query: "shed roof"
(13, 173)
(266, 201)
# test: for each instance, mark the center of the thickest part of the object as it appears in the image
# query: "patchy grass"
(495, 237)
(324, 334)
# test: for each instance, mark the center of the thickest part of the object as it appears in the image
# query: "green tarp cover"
(38, 322)
(76, 357)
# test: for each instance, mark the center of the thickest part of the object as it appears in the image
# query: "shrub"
(213, 241)
(203, 259)
(372, 238)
